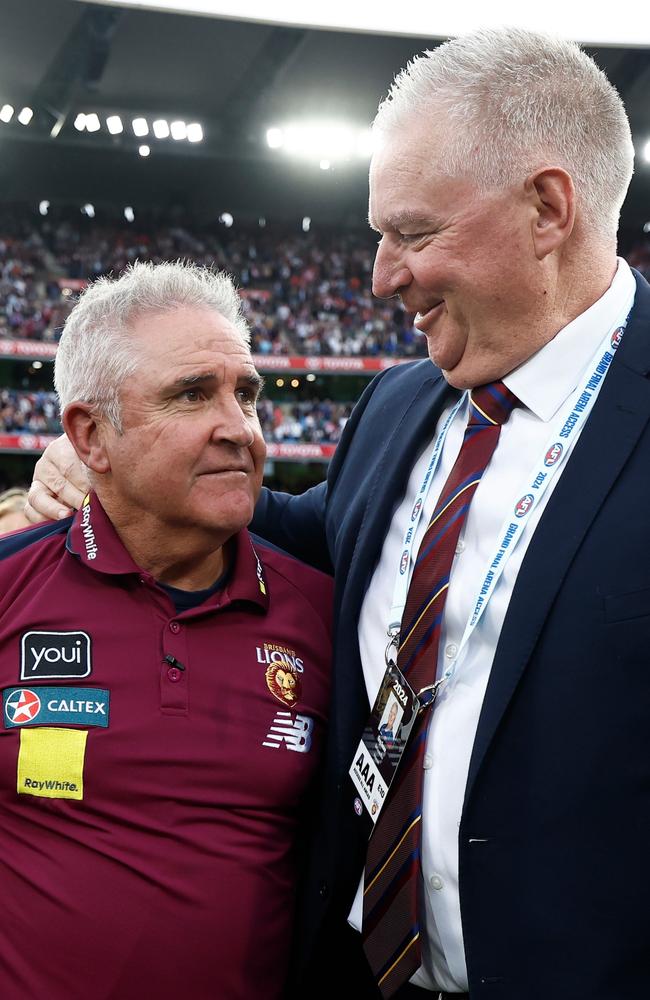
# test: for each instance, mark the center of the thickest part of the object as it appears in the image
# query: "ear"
(553, 195)
(87, 432)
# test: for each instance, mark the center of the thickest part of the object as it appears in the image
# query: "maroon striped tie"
(391, 928)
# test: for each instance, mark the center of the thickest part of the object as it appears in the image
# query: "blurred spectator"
(12, 503)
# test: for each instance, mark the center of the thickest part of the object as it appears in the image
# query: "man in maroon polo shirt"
(164, 675)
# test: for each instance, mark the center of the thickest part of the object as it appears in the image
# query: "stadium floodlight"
(140, 127)
(25, 116)
(178, 130)
(114, 124)
(261, 222)
(80, 122)
(194, 132)
(144, 150)
(43, 207)
(6, 113)
(311, 377)
(306, 224)
(161, 128)
(93, 123)
(227, 219)
(646, 227)
(37, 365)
(129, 214)
(365, 143)
(324, 164)
(88, 210)
(646, 151)
(275, 138)
(322, 142)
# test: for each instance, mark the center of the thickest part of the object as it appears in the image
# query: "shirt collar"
(547, 379)
(95, 542)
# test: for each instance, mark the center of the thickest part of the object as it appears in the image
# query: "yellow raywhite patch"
(51, 762)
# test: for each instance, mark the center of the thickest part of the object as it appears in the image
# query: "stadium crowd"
(311, 421)
(306, 293)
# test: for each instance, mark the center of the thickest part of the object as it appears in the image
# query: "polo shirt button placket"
(174, 681)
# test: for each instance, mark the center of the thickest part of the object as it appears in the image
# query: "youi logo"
(54, 654)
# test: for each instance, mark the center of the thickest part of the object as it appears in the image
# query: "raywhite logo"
(88, 533)
(294, 734)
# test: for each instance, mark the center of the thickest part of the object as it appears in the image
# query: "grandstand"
(77, 202)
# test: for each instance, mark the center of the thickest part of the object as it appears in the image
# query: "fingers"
(60, 483)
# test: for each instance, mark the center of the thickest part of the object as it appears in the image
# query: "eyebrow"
(393, 223)
(189, 381)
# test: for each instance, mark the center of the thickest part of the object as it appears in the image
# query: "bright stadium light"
(333, 142)
(80, 122)
(324, 164)
(306, 224)
(140, 127)
(161, 128)
(6, 113)
(194, 132)
(178, 130)
(646, 227)
(274, 138)
(43, 207)
(227, 219)
(261, 222)
(129, 214)
(646, 152)
(88, 210)
(93, 123)
(114, 124)
(25, 116)
(144, 150)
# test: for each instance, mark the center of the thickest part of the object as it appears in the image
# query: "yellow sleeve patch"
(51, 762)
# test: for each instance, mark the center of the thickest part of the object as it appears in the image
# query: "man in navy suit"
(502, 162)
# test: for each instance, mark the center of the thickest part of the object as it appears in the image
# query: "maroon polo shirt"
(153, 766)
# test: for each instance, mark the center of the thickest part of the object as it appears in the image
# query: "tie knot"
(491, 404)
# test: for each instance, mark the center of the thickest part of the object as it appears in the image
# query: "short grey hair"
(96, 354)
(514, 101)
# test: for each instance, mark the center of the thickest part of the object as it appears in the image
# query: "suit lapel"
(415, 427)
(613, 429)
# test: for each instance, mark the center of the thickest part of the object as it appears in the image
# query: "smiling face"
(191, 453)
(460, 258)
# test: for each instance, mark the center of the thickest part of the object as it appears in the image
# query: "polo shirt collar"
(545, 381)
(95, 542)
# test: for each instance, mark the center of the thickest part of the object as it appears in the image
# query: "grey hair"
(516, 100)
(96, 354)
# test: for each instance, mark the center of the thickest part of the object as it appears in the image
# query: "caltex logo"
(524, 505)
(22, 706)
(553, 453)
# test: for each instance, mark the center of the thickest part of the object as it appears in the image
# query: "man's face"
(191, 453)
(462, 259)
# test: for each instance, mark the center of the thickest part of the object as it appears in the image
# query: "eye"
(192, 395)
(247, 396)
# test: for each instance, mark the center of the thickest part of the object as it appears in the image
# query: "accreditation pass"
(384, 740)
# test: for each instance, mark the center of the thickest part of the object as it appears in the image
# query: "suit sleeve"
(302, 525)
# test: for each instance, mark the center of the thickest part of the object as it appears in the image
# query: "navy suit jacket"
(554, 839)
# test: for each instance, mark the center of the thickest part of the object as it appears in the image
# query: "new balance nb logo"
(292, 733)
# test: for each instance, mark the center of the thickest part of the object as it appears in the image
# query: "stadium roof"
(62, 57)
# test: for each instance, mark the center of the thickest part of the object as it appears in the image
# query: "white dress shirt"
(543, 384)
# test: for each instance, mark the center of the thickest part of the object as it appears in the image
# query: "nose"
(231, 424)
(390, 274)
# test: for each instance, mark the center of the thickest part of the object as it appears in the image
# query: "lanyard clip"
(427, 695)
(393, 644)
